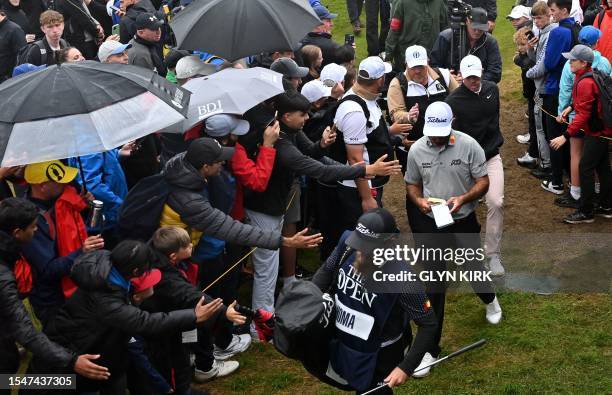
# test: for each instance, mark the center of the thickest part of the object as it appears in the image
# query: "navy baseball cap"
(147, 20)
(323, 12)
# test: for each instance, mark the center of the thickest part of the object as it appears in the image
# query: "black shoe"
(604, 212)
(579, 217)
(567, 201)
(543, 173)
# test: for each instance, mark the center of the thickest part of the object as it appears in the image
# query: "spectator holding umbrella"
(18, 220)
(61, 235)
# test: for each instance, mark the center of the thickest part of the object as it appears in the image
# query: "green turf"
(560, 344)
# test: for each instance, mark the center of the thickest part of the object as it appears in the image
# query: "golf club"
(449, 356)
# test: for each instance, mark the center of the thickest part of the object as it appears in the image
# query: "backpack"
(338, 150)
(575, 29)
(604, 83)
(142, 208)
(22, 54)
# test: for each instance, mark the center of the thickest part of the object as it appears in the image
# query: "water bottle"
(95, 221)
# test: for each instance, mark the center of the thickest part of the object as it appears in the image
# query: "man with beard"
(450, 166)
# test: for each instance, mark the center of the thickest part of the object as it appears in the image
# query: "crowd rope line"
(567, 123)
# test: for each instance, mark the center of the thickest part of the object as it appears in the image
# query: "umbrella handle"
(82, 174)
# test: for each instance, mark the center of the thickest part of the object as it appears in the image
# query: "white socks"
(575, 192)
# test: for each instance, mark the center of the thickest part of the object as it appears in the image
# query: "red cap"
(146, 281)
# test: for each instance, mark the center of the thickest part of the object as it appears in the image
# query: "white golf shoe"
(494, 312)
(427, 360)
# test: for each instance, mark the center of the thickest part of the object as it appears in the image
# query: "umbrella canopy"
(234, 29)
(230, 91)
(83, 108)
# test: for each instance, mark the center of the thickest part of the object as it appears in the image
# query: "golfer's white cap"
(471, 66)
(332, 74)
(438, 120)
(315, 90)
(373, 68)
(416, 55)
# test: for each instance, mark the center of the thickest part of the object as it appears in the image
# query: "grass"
(558, 344)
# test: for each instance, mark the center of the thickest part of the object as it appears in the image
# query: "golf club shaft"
(449, 356)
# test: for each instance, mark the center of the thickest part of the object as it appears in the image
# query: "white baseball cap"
(223, 124)
(332, 74)
(519, 11)
(471, 66)
(438, 120)
(373, 68)
(192, 66)
(315, 90)
(416, 55)
(110, 48)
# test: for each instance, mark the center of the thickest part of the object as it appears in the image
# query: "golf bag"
(305, 325)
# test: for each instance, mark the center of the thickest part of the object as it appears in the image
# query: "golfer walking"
(450, 165)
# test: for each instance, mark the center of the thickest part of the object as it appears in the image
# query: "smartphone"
(271, 122)
(115, 29)
(349, 39)
(530, 35)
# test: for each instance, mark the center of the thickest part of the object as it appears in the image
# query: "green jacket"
(414, 22)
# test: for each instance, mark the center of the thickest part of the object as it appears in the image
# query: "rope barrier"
(245, 256)
(567, 123)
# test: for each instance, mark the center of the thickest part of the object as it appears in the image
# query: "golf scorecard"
(441, 212)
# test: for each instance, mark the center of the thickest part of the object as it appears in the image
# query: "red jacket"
(584, 94)
(604, 45)
(249, 174)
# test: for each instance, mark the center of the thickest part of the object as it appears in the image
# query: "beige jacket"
(395, 97)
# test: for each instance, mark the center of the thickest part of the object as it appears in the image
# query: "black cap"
(206, 151)
(146, 20)
(374, 228)
(131, 254)
(478, 17)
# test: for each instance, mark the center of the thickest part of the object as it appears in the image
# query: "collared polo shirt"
(447, 171)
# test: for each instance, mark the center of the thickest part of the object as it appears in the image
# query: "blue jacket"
(559, 41)
(105, 180)
(48, 267)
(567, 81)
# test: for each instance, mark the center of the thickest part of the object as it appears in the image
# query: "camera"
(458, 12)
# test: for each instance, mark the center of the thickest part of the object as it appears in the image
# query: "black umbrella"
(234, 29)
(83, 108)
